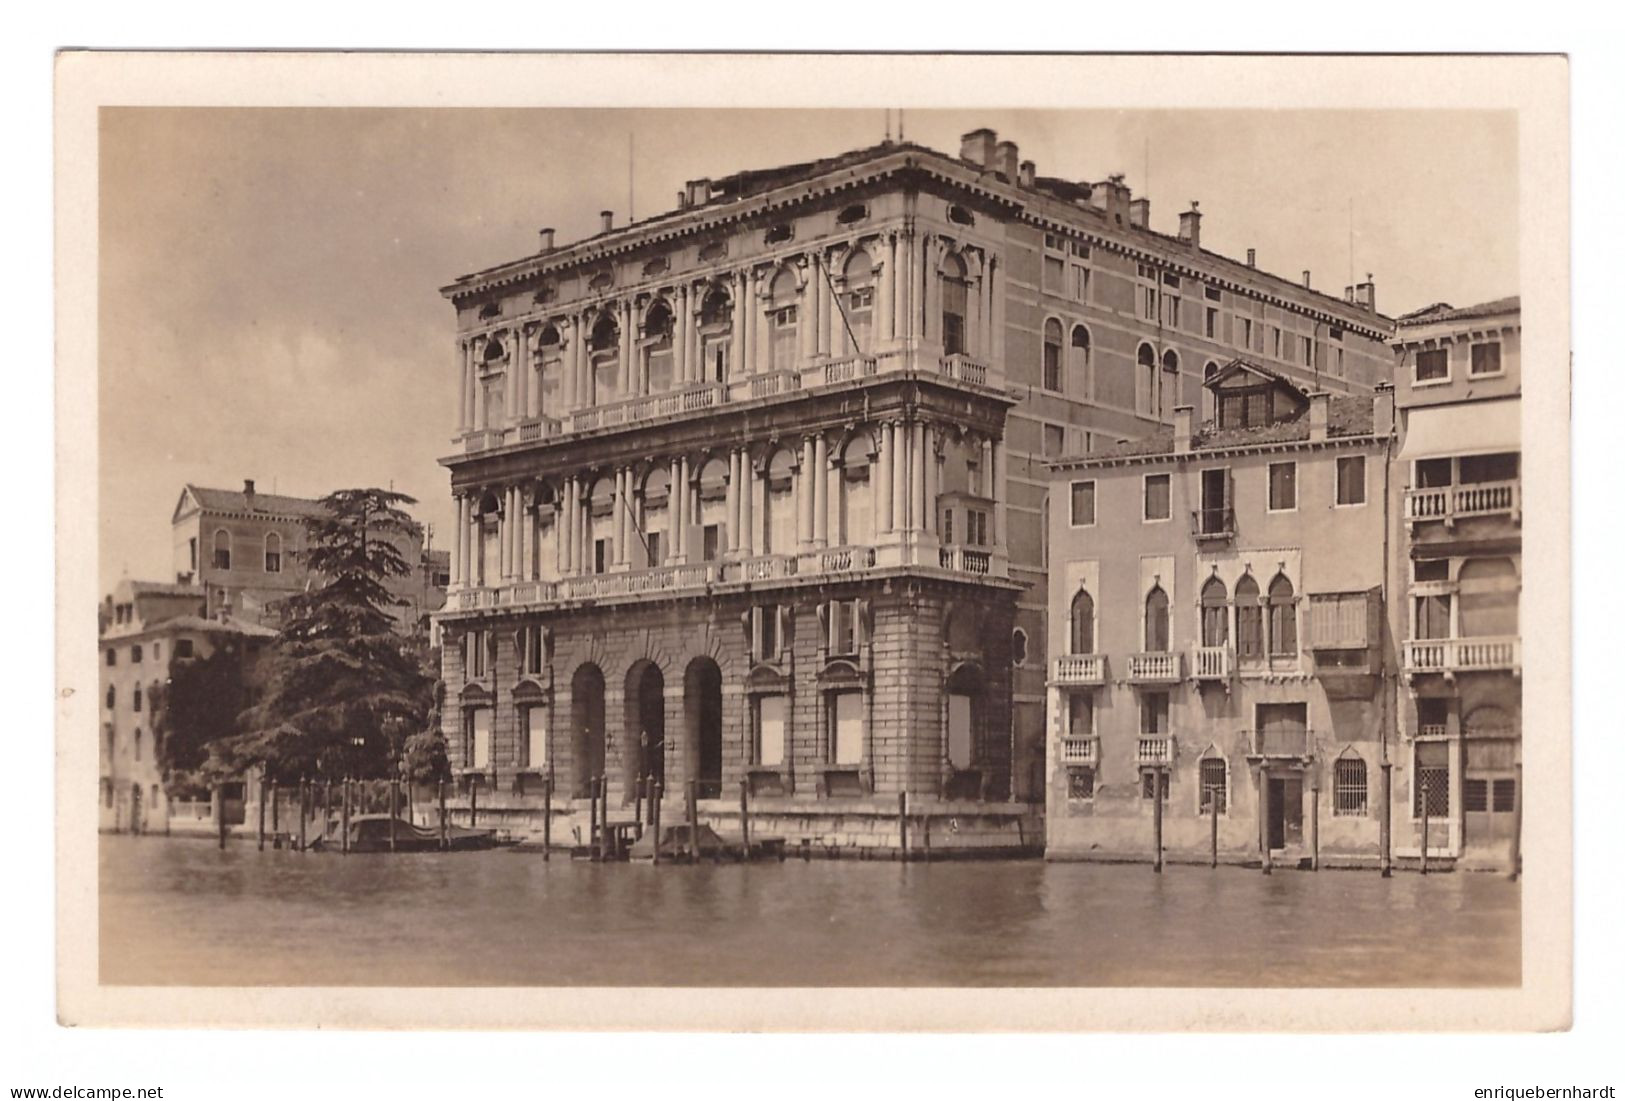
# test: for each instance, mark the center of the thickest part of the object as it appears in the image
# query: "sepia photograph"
(1067, 550)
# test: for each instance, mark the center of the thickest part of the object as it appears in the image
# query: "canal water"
(183, 912)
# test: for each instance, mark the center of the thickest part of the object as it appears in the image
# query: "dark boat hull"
(372, 834)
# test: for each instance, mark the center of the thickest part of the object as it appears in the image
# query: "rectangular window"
(1052, 366)
(1148, 782)
(976, 527)
(1153, 713)
(846, 715)
(657, 552)
(1171, 311)
(1157, 502)
(1432, 774)
(1148, 297)
(1054, 440)
(533, 736)
(135, 654)
(475, 654)
(112, 656)
(1083, 504)
(1351, 480)
(479, 737)
(1505, 791)
(1475, 795)
(1080, 715)
(183, 648)
(1283, 487)
(767, 632)
(770, 713)
(843, 627)
(959, 730)
(1054, 275)
(1348, 788)
(1433, 616)
(535, 655)
(1247, 333)
(1432, 365)
(1486, 360)
(711, 542)
(1080, 782)
(273, 561)
(1210, 327)
(1275, 336)
(600, 555)
(1080, 283)
(1306, 348)
(191, 547)
(1212, 294)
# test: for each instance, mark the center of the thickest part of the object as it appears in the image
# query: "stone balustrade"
(1453, 502)
(1463, 655)
(1210, 662)
(1078, 669)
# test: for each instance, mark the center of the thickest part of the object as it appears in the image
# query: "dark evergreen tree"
(198, 705)
(342, 689)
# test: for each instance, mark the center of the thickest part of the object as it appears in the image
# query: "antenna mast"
(631, 213)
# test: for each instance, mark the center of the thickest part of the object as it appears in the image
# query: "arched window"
(657, 348)
(549, 371)
(716, 331)
(273, 553)
(112, 697)
(1215, 613)
(857, 496)
(859, 274)
(1283, 618)
(1083, 623)
(1145, 382)
(1348, 787)
(955, 304)
(1156, 620)
(1169, 382)
(782, 321)
(1249, 621)
(1052, 355)
(1078, 369)
(137, 743)
(604, 352)
(222, 549)
(779, 519)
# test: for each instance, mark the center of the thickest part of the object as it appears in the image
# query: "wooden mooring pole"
(1213, 830)
(1424, 827)
(1314, 825)
(656, 798)
(605, 845)
(902, 825)
(445, 833)
(394, 808)
(327, 808)
(1264, 819)
(473, 802)
(304, 794)
(547, 815)
(637, 799)
(344, 816)
(276, 818)
(1515, 849)
(744, 815)
(1385, 825)
(260, 833)
(694, 820)
(220, 812)
(1156, 820)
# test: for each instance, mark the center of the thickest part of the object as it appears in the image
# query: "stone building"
(147, 628)
(1459, 563)
(1216, 621)
(762, 476)
(245, 549)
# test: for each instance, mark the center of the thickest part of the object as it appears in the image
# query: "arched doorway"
(702, 717)
(961, 729)
(587, 726)
(645, 726)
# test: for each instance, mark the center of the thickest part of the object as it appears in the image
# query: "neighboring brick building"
(778, 452)
(1459, 561)
(1216, 616)
(147, 628)
(246, 551)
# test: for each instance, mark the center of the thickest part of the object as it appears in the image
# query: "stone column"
(829, 312)
(932, 291)
(1001, 493)
(462, 387)
(905, 284)
(759, 330)
(882, 480)
(479, 398)
(736, 335)
(747, 504)
(807, 303)
(835, 492)
(928, 517)
(995, 348)
(628, 344)
(679, 336)
(685, 498)
(733, 501)
(916, 472)
(820, 516)
(758, 509)
(885, 323)
(457, 543)
(806, 474)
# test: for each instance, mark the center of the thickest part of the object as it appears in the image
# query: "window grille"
(1080, 782)
(1215, 786)
(1348, 788)
(1433, 773)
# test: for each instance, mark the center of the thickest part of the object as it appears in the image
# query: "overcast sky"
(270, 306)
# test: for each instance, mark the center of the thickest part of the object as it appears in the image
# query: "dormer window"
(780, 233)
(1245, 407)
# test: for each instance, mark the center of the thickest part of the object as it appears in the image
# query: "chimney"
(1320, 408)
(1139, 213)
(1306, 279)
(1252, 258)
(1348, 294)
(546, 236)
(1183, 416)
(1365, 294)
(248, 493)
(1005, 160)
(1117, 200)
(606, 220)
(1028, 173)
(977, 147)
(1190, 226)
(699, 192)
(1382, 410)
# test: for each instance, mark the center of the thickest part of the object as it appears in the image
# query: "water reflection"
(185, 912)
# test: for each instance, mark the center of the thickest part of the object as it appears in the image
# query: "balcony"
(1286, 743)
(977, 560)
(481, 440)
(1155, 749)
(1159, 667)
(963, 368)
(1450, 656)
(835, 371)
(1454, 502)
(1211, 662)
(539, 428)
(1078, 669)
(1213, 524)
(648, 407)
(1079, 751)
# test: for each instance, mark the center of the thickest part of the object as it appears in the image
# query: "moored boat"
(382, 833)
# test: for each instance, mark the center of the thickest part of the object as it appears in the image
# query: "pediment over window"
(530, 690)
(767, 677)
(841, 673)
(477, 695)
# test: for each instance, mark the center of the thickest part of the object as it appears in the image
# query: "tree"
(342, 690)
(199, 704)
